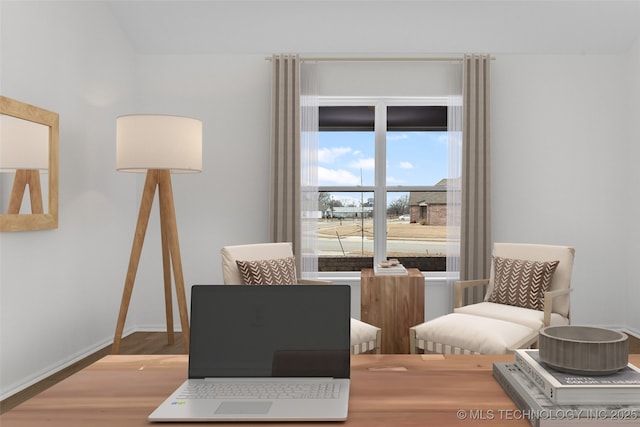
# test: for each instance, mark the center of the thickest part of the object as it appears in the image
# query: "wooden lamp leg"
(166, 270)
(35, 191)
(138, 239)
(24, 177)
(170, 256)
(170, 228)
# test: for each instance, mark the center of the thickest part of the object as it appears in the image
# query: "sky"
(413, 158)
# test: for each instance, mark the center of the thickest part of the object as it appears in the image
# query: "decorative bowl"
(583, 350)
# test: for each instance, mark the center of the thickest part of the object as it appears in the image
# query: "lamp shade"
(158, 142)
(23, 144)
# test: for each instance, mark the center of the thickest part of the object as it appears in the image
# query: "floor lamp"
(158, 145)
(24, 150)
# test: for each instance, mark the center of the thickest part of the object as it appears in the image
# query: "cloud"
(394, 181)
(329, 155)
(397, 137)
(406, 165)
(336, 177)
(367, 163)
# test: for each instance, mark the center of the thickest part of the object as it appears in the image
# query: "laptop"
(247, 343)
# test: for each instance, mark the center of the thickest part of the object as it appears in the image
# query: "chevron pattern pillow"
(281, 271)
(520, 282)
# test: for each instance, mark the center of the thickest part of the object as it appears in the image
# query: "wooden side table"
(394, 304)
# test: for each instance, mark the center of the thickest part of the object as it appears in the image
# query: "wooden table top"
(386, 390)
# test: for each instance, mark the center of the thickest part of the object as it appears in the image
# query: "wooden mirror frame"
(49, 219)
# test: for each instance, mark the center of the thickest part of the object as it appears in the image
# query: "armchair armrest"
(549, 296)
(459, 288)
(313, 282)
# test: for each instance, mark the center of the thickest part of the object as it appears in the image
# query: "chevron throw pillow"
(281, 271)
(520, 282)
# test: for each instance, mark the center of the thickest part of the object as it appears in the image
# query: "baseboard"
(631, 331)
(154, 328)
(625, 329)
(55, 368)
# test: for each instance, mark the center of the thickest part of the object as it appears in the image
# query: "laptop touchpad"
(243, 408)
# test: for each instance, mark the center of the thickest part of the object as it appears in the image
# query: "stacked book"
(550, 398)
(390, 270)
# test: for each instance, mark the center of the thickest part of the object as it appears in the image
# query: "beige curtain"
(475, 233)
(284, 209)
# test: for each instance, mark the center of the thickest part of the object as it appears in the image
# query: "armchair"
(273, 263)
(528, 288)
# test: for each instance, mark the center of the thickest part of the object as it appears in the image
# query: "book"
(534, 406)
(394, 270)
(564, 388)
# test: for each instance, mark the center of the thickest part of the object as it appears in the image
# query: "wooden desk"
(394, 304)
(386, 390)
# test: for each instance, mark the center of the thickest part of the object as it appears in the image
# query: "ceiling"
(394, 27)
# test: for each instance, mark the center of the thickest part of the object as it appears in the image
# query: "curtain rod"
(380, 59)
(374, 59)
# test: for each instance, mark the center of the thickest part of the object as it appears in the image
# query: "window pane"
(416, 158)
(413, 222)
(346, 158)
(416, 228)
(346, 228)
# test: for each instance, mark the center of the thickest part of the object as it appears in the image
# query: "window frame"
(379, 189)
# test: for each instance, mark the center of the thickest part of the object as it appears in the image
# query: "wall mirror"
(28, 167)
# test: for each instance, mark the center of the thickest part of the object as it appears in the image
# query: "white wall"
(561, 143)
(559, 169)
(427, 78)
(59, 289)
(630, 190)
(558, 142)
(227, 203)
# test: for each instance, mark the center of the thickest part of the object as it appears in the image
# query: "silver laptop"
(265, 353)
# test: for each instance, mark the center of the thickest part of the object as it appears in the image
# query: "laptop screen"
(270, 331)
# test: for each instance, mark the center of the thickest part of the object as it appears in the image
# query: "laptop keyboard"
(261, 390)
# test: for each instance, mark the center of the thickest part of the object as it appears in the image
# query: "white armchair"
(528, 288)
(273, 263)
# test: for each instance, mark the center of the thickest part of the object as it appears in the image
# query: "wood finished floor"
(140, 343)
(136, 343)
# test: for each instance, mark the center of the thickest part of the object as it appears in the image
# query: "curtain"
(294, 155)
(475, 223)
(284, 208)
(454, 154)
(309, 101)
(294, 184)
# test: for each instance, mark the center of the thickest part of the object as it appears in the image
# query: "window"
(382, 169)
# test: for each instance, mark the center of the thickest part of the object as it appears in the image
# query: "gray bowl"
(583, 350)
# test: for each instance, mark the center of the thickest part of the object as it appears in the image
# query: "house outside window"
(382, 175)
